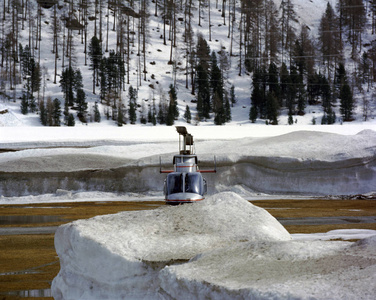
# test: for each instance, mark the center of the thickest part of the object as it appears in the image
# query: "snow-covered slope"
(221, 248)
(160, 74)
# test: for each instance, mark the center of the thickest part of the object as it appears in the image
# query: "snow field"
(221, 248)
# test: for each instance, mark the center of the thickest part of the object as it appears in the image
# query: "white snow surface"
(330, 160)
(221, 248)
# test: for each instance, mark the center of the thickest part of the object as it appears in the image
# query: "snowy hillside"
(158, 74)
(221, 248)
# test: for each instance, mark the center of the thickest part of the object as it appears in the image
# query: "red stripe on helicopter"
(185, 200)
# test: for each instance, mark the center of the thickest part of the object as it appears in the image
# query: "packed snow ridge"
(299, 162)
(221, 248)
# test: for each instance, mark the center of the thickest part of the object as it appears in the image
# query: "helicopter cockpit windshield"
(194, 183)
(185, 183)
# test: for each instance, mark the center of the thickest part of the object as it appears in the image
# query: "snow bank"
(113, 256)
(301, 162)
(221, 248)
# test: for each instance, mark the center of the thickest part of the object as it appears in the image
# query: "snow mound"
(221, 248)
(116, 255)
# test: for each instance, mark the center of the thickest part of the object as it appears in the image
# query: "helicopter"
(185, 183)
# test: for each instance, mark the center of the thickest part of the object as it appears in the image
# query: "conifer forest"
(159, 61)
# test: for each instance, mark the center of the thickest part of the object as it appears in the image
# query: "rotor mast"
(185, 141)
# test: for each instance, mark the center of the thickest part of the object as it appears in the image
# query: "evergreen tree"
(170, 114)
(257, 96)
(216, 84)
(153, 114)
(272, 108)
(81, 105)
(24, 104)
(97, 114)
(187, 114)
(347, 102)
(272, 80)
(50, 109)
(324, 119)
(340, 78)
(42, 113)
(331, 116)
(253, 114)
(161, 117)
(203, 93)
(329, 37)
(71, 121)
(326, 94)
(292, 90)
(132, 113)
(132, 95)
(290, 120)
(103, 79)
(232, 95)
(173, 101)
(32, 104)
(227, 109)
(95, 54)
(285, 82)
(56, 113)
(66, 112)
(120, 116)
(149, 114)
(67, 84)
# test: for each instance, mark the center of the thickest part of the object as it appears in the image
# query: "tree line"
(289, 67)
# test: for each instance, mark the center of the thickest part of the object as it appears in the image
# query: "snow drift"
(223, 247)
(304, 162)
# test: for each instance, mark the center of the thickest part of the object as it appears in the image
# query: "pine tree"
(42, 113)
(347, 102)
(216, 84)
(71, 121)
(290, 120)
(120, 116)
(170, 114)
(340, 78)
(329, 37)
(173, 101)
(227, 108)
(285, 82)
(132, 95)
(67, 84)
(132, 113)
(24, 104)
(272, 80)
(292, 90)
(253, 114)
(161, 114)
(81, 105)
(50, 109)
(97, 114)
(232, 95)
(272, 108)
(187, 114)
(203, 93)
(95, 54)
(56, 113)
(257, 96)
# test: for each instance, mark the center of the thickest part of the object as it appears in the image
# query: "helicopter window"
(174, 183)
(193, 183)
